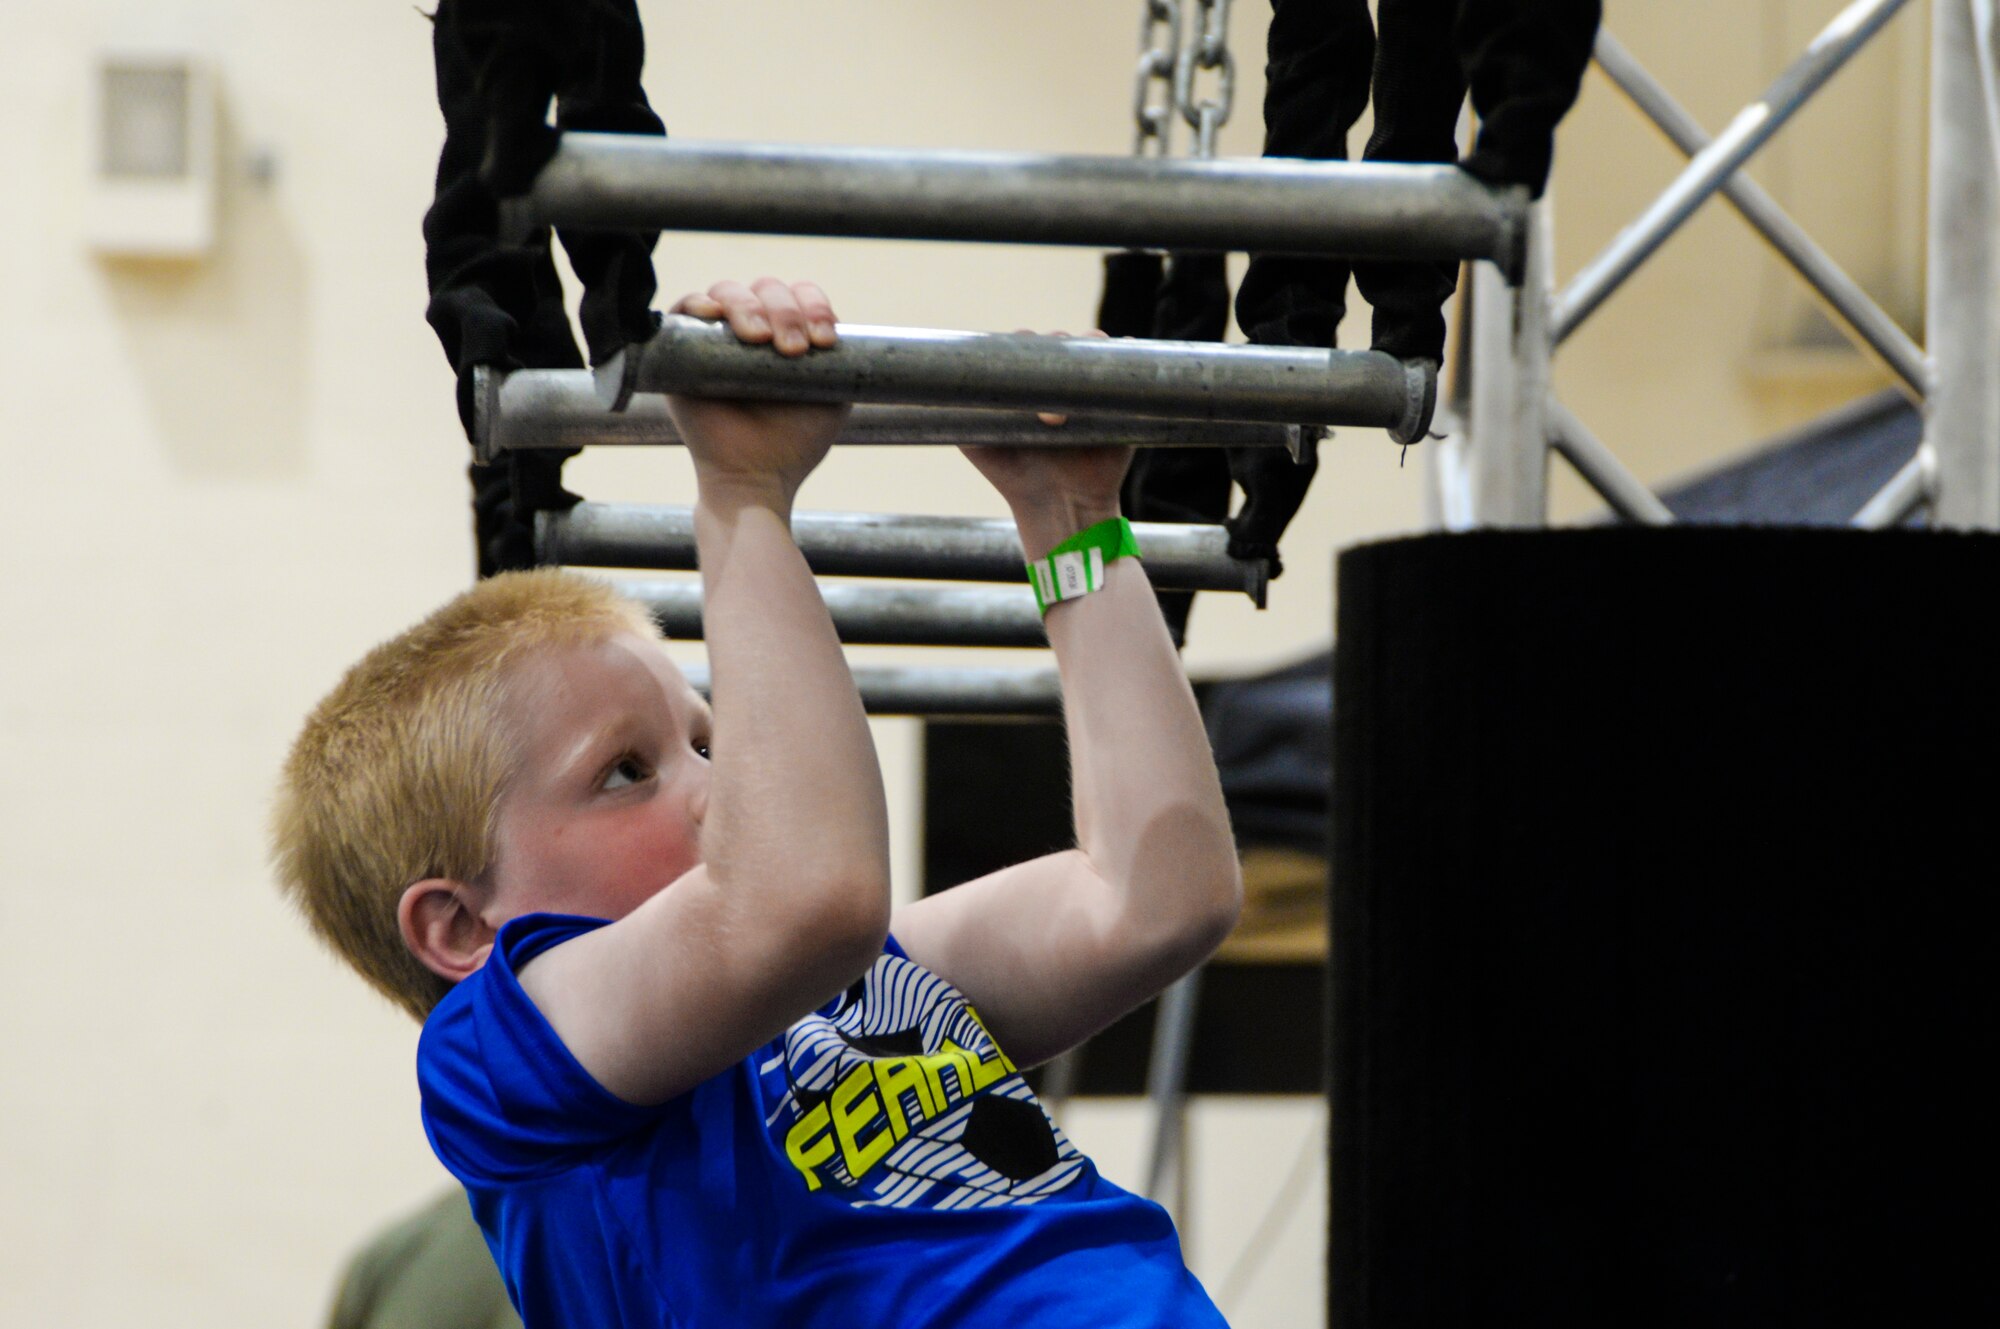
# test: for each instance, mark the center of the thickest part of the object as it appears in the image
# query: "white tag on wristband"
(1071, 579)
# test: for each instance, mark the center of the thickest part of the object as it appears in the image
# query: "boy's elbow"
(1181, 939)
(863, 927)
(847, 929)
(1222, 907)
(1207, 902)
(1212, 885)
(1185, 893)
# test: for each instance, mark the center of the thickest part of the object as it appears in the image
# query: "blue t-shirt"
(879, 1163)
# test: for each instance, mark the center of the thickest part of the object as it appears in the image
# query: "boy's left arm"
(1053, 950)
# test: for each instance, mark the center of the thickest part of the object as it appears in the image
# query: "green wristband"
(1076, 566)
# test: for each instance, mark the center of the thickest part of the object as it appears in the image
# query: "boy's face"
(605, 809)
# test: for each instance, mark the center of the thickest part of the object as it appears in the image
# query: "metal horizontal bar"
(1909, 489)
(879, 615)
(929, 367)
(1268, 205)
(944, 692)
(1625, 492)
(1749, 131)
(560, 408)
(859, 544)
(1843, 295)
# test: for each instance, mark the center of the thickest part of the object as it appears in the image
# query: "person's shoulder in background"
(429, 1271)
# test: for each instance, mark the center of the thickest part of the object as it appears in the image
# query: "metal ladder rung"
(943, 692)
(879, 615)
(532, 409)
(860, 544)
(1024, 371)
(1264, 205)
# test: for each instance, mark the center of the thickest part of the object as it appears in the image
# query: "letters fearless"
(871, 1110)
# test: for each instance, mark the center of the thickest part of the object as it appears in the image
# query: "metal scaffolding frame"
(925, 386)
(1491, 467)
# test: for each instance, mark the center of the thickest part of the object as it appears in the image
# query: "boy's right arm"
(791, 902)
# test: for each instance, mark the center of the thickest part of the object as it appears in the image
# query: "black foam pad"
(1663, 906)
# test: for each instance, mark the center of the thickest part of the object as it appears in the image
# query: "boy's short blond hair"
(398, 773)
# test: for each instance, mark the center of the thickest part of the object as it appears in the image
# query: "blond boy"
(687, 1064)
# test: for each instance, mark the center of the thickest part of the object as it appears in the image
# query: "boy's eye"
(628, 771)
(700, 745)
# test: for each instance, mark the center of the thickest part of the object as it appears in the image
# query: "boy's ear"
(441, 925)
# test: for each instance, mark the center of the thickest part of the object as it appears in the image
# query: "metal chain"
(1153, 93)
(1207, 49)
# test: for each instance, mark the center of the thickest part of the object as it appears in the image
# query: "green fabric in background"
(430, 1271)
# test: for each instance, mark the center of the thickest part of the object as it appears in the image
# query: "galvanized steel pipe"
(1269, 205)
(943, 692)
(929, 367)
(1506, 483)
(1962, 309)
(879, 615)
(560, 409)
(867, 544)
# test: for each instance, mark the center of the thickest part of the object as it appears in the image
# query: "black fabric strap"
(498, 303)
(1316, 85)
(1523, 60)
(499, 64)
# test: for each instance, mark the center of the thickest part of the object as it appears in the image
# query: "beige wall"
(225, 479)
